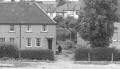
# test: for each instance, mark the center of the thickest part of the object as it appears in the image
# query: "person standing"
(59, 49)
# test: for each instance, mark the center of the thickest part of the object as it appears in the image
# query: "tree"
(59, 20)
(96, 22)
(69, 24)
(61, 2)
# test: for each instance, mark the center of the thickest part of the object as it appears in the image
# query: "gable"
(23, 12)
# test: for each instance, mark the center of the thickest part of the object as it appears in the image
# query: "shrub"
(9, 50)
(97, 54)
(101, 54)
(37, 54)
(82, 54)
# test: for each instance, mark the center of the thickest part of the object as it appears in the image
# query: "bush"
(82, 54)
(101, 54)
(97, 54)
(37, 54)
(8, 50)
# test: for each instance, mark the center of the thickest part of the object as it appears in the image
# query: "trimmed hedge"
(101, 54)
(37, 54)
(10, 51)
(97, 54)
(82, 54)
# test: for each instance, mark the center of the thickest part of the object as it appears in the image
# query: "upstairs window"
(29, 43)
(44, 28)
(2, 39)
(11, 40)
(29, 28)
(37, 41)
(12, 28)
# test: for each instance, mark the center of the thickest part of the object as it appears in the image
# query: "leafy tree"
(68, 24)
(96, 22)
(59, 20)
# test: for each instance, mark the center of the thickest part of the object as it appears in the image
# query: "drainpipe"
(20, 41)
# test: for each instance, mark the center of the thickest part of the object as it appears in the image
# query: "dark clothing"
(60, 49)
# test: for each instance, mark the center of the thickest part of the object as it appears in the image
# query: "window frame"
(2, 40)
(28, 28)
(36, 42)
(43, 28)
(27, 41)
(13, 40)
(12, 28)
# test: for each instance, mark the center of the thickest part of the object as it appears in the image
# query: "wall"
(36, 33)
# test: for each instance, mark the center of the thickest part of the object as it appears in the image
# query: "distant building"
(27, 26)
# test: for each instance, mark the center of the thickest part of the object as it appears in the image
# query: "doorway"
(50, 43)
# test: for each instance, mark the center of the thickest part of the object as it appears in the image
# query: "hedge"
(82, 54)
(37, 54)
(11, 51)
(8, 50)
(97, 54)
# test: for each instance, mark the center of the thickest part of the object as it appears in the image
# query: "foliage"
(58, 19)
(8, 50)
(96, 22)
(81, 54)
(37, 54)
(68, 24)
(97, 54)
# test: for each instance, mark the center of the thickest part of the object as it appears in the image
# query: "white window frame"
(2, 40)
(28, 28)
(43, 26)
(12, 28)
(12, 40)
(27, 40)
(36, 42)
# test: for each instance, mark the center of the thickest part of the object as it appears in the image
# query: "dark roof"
(68, 6)
(23, 12)
(53, 8)
(48, 7)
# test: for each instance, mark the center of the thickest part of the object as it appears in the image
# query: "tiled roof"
(23, 12)
(48, 7)
(67, 6)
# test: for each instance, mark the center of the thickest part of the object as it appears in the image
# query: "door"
(50, 43)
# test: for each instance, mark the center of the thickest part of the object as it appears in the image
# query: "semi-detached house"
(27, 26)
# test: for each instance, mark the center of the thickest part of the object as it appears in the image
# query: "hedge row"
(11, 51)
(37, 54)
(97, 54)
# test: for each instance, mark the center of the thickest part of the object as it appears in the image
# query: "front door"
(50, 43)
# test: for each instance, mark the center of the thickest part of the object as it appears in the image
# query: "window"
(2, 39)
(12, 28)
(11, 40)
(44, 28)
(37, 41)
(28, 41)
(29, 28)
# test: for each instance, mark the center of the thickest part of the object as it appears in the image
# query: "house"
(26, 25)
(71, 8)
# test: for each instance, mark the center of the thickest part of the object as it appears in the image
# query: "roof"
(23, 12)
(69, 6)
(48, 7)
(52, 7)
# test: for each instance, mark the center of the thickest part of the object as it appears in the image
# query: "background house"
(27, 26)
